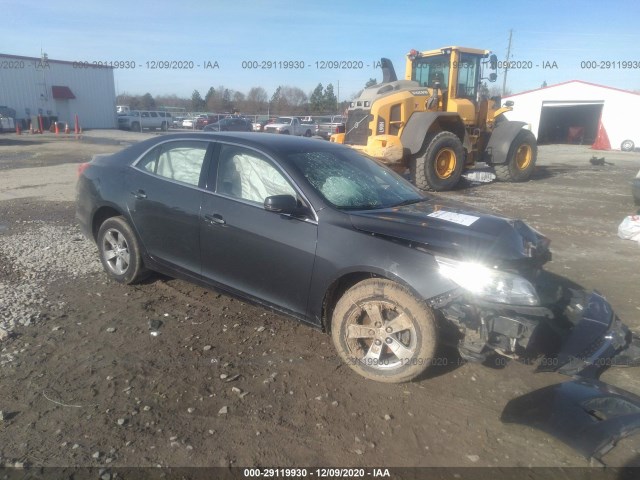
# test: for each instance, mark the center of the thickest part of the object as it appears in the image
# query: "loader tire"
(440, 166)
(521, 159)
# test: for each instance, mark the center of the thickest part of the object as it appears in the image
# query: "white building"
(571, 112)
(60, 89)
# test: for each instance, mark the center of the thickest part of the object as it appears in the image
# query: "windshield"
(428, 71)
(283, 120)
(351, 181)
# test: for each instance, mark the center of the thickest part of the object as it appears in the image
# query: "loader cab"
(453, 74)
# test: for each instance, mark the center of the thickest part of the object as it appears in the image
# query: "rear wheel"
(120, 251)
(383, 332)
(521, 159)
(440, 167)
(307, 133)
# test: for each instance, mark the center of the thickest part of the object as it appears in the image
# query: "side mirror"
(493, 62)
(493, 77)
(284, 204)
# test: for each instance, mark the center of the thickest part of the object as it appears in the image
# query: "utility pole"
(506, 65)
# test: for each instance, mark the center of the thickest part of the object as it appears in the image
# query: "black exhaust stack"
(388, 72)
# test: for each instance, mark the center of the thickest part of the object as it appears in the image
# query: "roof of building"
(571, 81)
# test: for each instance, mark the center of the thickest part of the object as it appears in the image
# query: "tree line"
(285, 100)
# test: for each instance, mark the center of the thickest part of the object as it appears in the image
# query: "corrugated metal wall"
(25, 83)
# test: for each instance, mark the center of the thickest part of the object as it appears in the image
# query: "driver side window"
(245, 174)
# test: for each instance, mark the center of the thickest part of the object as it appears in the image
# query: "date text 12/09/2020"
(214, 64)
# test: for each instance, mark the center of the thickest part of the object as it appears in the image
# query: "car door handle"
(139, 194)
(215, 219)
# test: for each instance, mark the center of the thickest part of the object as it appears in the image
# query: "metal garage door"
(569, 121)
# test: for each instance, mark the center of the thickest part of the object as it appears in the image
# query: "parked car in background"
(189, 122)
(259, 125)
(177, 121)
(138, 120)
(327, 126)
(234, 124)
(289, 126)
(204, 120)
(7, 124)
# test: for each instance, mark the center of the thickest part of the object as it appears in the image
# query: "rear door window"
(180, 161)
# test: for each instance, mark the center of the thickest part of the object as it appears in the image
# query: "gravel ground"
(39, 255)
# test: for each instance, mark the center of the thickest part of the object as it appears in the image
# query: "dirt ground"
(223, 383)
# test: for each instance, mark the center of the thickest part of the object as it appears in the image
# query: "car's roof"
(268, 141)
(280, 145)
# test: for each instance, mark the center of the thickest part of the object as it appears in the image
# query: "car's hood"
(455, 229)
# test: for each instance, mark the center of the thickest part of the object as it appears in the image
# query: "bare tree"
(256, 100)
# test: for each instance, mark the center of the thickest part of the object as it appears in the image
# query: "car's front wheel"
(120, 251)
(383, 332)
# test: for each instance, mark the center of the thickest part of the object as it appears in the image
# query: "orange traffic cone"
(67, 130)
(57, 129)
(602, 139)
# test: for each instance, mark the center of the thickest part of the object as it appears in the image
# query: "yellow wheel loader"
(437, 123)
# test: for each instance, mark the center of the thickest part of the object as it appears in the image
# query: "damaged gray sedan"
(323, 234)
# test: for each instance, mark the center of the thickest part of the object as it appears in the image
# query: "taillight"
(82, 167)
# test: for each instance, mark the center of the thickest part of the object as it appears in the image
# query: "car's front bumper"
(586, 414)
(598, 341)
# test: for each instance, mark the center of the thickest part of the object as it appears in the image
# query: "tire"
(164, 127)
(356, 332)
(120, 251)
(521, 159)
(307, 133)
(286, 132)
(441, 165)
(136, 127)
(627, 146)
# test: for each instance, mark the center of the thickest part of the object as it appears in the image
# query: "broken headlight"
(488, 283)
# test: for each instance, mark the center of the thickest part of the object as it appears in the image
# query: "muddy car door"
(249, 249)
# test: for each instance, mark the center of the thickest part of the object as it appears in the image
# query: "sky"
(552, 41)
